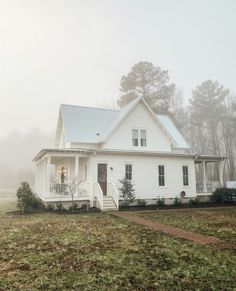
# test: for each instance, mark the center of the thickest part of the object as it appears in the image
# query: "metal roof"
(172, 129)
(86, 124)
(94, 125)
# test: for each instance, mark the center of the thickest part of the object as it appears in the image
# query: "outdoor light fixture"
(111, 168)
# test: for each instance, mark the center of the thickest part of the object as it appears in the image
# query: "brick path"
(192, 236)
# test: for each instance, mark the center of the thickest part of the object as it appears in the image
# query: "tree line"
(208, 120)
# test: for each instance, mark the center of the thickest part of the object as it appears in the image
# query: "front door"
(102, 177)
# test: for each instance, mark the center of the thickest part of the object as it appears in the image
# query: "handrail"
(98, 194)
(113, 192)
(82, 187)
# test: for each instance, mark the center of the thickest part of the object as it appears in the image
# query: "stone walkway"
(192, 236)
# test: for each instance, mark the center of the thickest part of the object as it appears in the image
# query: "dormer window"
(135, 137)
(143, 140)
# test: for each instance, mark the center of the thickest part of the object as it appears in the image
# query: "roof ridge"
(97, 108)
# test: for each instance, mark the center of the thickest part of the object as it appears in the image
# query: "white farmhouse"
(96, 148)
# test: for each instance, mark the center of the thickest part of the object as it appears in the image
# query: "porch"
(209, 174)
(71, 175)
(62, 177)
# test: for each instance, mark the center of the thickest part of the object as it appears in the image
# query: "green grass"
(99, 252)
(220, 222)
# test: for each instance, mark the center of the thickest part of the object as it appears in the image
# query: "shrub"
(59, 206)
(84, 207)
(177, 201)
(224, 195)
(26, 200)
(194, 202)
(37, 203)
(50, 207)
(73, 207)
(141, 202)
(127, 191)
(160, 201)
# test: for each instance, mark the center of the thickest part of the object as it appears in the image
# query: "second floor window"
(143, 138)
(128, 172)
(161, 173)
(135, 137)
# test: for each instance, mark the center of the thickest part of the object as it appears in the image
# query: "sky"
(75, 51)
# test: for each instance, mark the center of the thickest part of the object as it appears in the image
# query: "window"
(143, 140)
(128, 172)
(185, 176)
(161, 172)
(135, 137)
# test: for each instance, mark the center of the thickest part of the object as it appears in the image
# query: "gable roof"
(172, 129)
(95, 125)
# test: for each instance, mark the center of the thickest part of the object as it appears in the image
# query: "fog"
(76, 51)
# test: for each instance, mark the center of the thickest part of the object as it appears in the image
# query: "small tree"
(127, 191)
(25, 197)
(71, 189)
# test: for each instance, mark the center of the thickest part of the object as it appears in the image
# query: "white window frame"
(135, 139)
(141, 139)
(161, 176)
(130, 172)
(185, 176)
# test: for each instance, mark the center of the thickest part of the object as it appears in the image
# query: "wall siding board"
(139, 118)
(145, 174)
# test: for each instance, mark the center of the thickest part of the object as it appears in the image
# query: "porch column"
(44, 175)
(76, 172)
(48, 167)
(221, 171)
(204, 176)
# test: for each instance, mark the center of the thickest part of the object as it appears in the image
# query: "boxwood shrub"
(224, 195)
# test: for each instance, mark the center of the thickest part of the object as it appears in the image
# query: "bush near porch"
(224, 195)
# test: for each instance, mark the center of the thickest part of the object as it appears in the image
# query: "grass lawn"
(219, 222)
(99, 252)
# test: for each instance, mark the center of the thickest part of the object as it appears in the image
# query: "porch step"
(108, 204)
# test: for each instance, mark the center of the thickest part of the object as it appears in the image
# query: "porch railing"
(59, 188)
(98, 194)
(63, 188)
(113, 192)
(211, 186)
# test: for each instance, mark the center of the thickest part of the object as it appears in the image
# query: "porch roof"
(43, 152)
(209, 158)
(197, 158)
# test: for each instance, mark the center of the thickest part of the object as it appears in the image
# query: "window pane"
(135, 137)
(143, 133)
(128, 172)
(185, 176)
(135, 133)
(143, 137)
(161, 173)
(143, 142)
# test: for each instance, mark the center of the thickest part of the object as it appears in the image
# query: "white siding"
(139, 118)
(145, 174)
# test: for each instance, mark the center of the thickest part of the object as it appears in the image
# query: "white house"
(98, 147)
